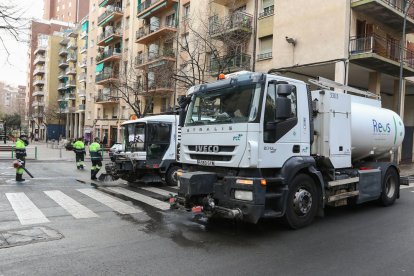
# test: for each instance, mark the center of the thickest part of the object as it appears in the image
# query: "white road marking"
(73, 207)
(406, 187)
(111, 202)
(25, 209)
(145, 199)
(174, 187)
(158, 191)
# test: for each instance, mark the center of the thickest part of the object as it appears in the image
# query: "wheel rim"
(174, 176)
(390, 187)
(302, 202)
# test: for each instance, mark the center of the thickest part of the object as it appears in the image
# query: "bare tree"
(12, 22)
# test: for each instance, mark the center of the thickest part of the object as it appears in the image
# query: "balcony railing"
(103, 97)
(105, 76)
(71, 83)
(71, 57)
(230, 63)
(61, 86)
(150, 57)
(83, 63)
(81, 93)
(262, 56)
(109, 10)
(38, 82)
(63, 63)
(81, 107)
(63, 51)
(40, 49)
(69, 109)
(83, 49)
(70, 96)
(70, 71)
(39, 70)
(238, 21)
(38, 93)
(39, 59)
(82, 77)
(267, 11)
(72, 45)
(146, 4)
(38, 103)
(111, 52)
(148, 29)
(382, 47)
(108, 33)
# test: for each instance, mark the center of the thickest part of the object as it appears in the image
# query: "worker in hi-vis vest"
(96, 157)
(20, 147)
(79, 149)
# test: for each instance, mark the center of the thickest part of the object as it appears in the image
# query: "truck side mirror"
(284, 90)
(283, 108)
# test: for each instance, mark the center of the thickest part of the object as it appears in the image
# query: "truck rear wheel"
(171, 176)
(390, 187)
(302, 202)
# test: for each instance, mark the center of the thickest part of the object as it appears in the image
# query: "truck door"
(158, 141)
(281, 129)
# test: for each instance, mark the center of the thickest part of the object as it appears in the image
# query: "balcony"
(159, 88)
(69, 109)
(84, 34)
(63, 63)
(64, 41)
(82, 77)
(81, 108)
(61, 99)
(83, 63)
(39, 59)
(104, 78)
(40, 49)
(39, 82)
(225, 2)
(104, 3)
(81, 92)
(72, 46)
(380, 54)
(238, 25)
(37, 114)
(71, 57)
(229, 64)
(73, 32)
(71, 84)
(151, 60)
(110, 55)
(109, 36)
(38, 93)
(148, 34)
(70, 71)
(63, 51)
(109, 98)
(149, 8)
(390, 13)
(62, 74)
(62, 86)
(70, 96)
(83, 49)
(38, 103)
(39, 71)
(111, 14)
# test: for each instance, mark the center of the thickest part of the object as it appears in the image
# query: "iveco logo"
(207, 148)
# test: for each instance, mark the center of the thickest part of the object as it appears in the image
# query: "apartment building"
(65, 10)
(44, 123)
(12, 99)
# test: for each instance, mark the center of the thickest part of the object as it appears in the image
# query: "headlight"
(243, 195)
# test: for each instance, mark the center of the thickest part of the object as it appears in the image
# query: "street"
(105, 232)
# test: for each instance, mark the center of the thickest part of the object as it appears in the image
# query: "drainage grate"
(23, 236)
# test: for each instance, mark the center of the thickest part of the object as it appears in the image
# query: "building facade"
(65, 10)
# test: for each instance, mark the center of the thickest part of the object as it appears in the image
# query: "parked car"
(116, 148)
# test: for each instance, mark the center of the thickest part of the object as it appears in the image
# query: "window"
(184, 42)
(271, 113)
(186, 12)
(265, 48)
(92, 43)
(170, 20)
(267, 8)
(127, 23)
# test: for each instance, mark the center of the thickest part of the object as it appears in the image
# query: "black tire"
(171, 176)
(302, 202)
(390, 187)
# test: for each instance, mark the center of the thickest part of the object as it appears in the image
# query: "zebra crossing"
(27, 212)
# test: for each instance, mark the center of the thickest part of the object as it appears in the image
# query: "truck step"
(272, 214)
(273, 195)
(342, 196)
(343, 182)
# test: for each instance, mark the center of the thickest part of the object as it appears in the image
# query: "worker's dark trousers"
(96, 166)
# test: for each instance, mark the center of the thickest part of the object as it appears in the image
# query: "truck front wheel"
(171, 176)
(302, 202)
(390, 187)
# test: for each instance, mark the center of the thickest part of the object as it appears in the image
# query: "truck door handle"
(296, 149)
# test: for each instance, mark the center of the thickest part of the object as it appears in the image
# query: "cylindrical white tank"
(375, 131)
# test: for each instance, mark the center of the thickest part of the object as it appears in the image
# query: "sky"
(13, 67)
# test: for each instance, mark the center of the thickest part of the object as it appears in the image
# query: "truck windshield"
(135, 137)
(225, 106)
